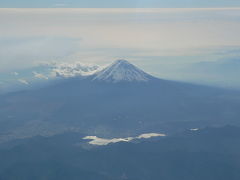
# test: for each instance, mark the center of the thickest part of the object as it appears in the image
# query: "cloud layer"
(119, 4)
(153, 39)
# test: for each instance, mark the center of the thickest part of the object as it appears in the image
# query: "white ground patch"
(101, 141)
(194, 129)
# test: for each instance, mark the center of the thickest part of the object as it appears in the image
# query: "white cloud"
(72, 69)
(101, 141)
(15, 73)
(23, 81)
(40, 76)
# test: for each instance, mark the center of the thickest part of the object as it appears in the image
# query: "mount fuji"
(122, 70)
(118, 101)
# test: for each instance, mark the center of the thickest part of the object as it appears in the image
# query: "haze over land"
(119, 90)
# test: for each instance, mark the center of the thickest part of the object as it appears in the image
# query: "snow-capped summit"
(122, 70)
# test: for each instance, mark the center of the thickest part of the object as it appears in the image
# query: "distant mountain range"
(43, 74)
(117, 101)
(221, 73)
(46, 73)
(209, 154)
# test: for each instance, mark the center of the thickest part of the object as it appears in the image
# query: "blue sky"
(119, 3)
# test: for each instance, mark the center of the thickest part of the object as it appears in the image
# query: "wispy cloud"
(20, 52)
(122, 3)
(39, 75)
(15, 73)
(23, 81)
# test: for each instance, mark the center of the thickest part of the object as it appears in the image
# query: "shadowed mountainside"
(126, 107)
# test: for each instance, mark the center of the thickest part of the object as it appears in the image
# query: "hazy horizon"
(119, 4)
(172, 43)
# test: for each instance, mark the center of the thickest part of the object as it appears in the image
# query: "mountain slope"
(122, 70)
(115, 108)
